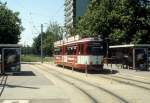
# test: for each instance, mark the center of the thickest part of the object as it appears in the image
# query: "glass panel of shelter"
(122, 56)
(135, 58)
(141, 58)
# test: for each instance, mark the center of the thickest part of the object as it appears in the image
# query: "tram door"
(141, 59)
(11, 60)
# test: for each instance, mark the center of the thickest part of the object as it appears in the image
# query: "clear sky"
(35, 12)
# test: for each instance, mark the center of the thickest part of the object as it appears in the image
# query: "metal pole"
(63, 61)
(24, 49)
(147, 62)
(73, 64)
(107, 50)
(63, 54)
(41, 43)
(134, 67)
(111, 73)
(86, 69)
(72, 69)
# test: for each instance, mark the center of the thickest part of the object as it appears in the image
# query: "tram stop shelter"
(132, 56)
(10, 58)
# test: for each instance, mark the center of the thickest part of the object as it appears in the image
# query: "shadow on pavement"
(24, 73)
(17, 86)
(3, 84)
(103, 71)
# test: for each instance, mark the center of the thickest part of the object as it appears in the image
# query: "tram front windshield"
(95, 48)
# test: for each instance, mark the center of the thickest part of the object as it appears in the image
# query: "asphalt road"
(46, 83)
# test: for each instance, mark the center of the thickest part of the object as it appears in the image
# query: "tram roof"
(76, 41)
(10, 45)
(130, 45)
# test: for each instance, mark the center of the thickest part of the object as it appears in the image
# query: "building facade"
(73, 10)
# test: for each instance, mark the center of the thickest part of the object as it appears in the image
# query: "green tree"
(132, 24)
(95, 21)
(122, 21)
(10, 25)
(71, 31)
(37, 45)
(53, 33)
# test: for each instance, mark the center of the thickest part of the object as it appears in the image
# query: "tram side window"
(81, 48)
(71, 50)
(57, 51)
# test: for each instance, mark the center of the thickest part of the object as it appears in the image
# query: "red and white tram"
(79, 53)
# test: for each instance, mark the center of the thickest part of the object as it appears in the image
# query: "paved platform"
(132, 94)
(31, 86)
(138, 73)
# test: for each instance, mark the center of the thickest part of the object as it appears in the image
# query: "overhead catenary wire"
(39, 14)
(29, 20)
(58, 10)
(35, 29)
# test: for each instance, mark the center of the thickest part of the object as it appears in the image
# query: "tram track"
(70, 83)
(101, 89)
(147, 79)
(3, 83)
(148, 83)
(127, 81)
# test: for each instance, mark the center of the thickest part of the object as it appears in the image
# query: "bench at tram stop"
(120, 63)
(110, 61)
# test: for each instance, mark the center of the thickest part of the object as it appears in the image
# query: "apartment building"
(73, 10)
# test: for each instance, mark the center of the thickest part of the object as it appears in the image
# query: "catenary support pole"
(41, 43)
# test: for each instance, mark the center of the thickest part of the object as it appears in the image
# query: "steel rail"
(94, 85)
(70, 83)
(132, 79)
(125, 82)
